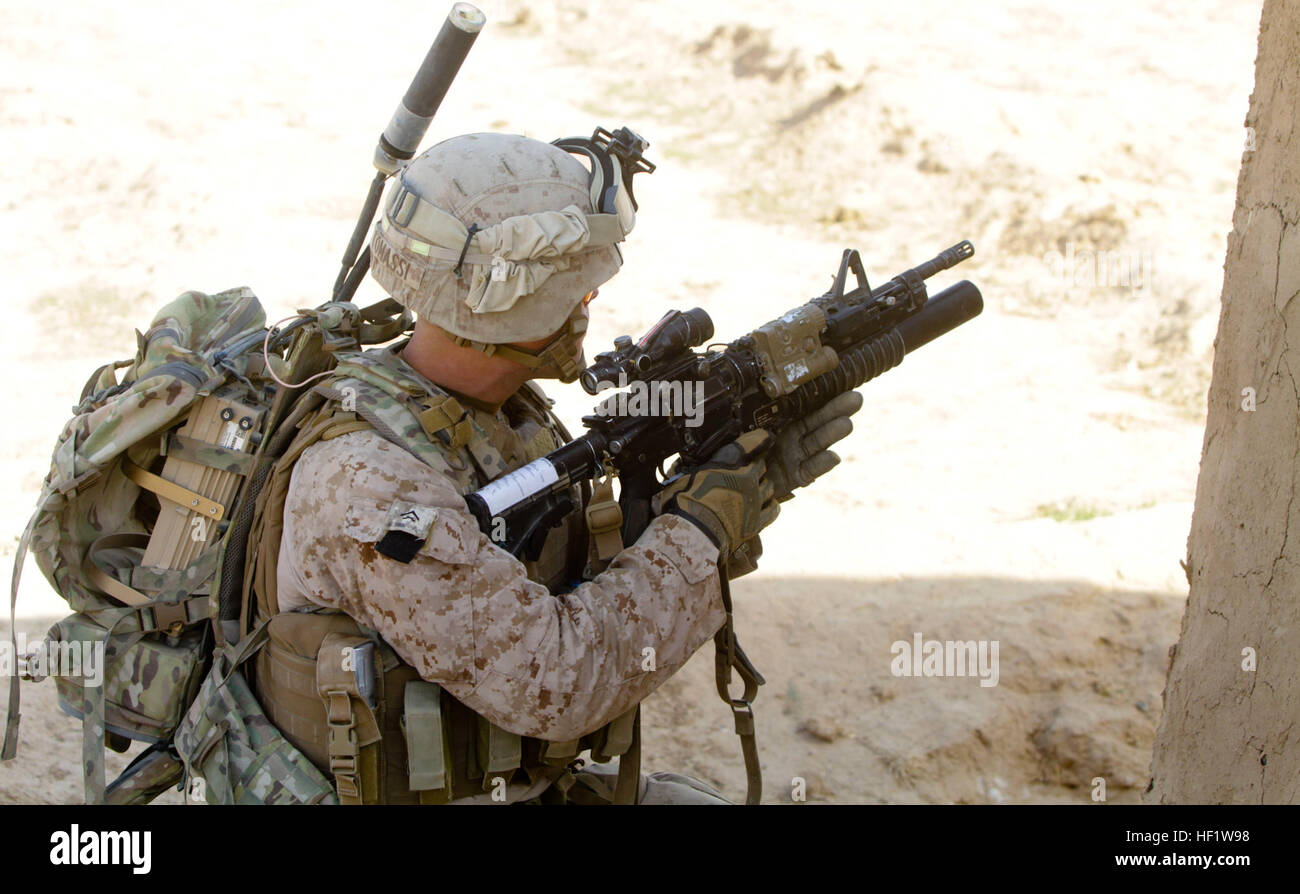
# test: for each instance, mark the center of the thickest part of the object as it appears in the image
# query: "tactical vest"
(337, 691)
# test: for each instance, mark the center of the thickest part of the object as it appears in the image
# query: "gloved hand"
(799, 455)
(729, 497)
(744, 558)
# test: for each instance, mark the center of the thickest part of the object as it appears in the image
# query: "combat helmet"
(497, 238)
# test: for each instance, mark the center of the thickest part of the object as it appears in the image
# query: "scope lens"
(702, 326)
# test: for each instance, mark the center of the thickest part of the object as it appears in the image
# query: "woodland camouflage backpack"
(141, 526)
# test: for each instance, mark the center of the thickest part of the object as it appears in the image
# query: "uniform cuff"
(682, 543)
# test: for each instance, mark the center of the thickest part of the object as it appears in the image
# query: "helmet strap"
(558, 352)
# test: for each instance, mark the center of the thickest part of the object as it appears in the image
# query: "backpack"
(142, 524)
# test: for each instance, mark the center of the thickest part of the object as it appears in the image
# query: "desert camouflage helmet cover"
(537, 246)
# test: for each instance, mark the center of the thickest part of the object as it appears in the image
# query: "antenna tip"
(467, 17)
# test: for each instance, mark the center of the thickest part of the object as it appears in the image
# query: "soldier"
(494, 673)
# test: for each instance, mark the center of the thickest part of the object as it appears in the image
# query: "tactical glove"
(799, 455)
(729, 497)
(744, 558)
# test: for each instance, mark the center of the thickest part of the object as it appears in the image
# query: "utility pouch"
(614, 738)
(426, 741)
(499, 753)
(148, 680)
(227, 741)
(351, 720)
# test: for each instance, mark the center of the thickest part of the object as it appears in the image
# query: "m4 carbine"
(769, 378)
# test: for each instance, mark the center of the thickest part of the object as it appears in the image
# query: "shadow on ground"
(1080, 675)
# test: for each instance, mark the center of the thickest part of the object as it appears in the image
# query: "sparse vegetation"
(1070, 511)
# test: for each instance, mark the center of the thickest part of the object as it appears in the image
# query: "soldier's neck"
(487, 380)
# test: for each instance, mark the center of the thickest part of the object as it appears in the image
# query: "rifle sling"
(729, 656)
(629, 766)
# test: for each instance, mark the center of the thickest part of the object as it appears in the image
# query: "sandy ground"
(1028, 479)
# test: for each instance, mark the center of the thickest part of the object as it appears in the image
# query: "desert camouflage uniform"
(465, 613)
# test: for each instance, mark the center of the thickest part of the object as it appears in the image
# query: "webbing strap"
(105, 581)
(205, 453)
(157, 616)
(12, 714)
(446, 414)
(561, 352)
(629, 766)
(344, 752)
(439, 231)
(246, 648)
(605, 521)
(345, 427)
(728, 656)
(92, 740)
(183, 496)
(383, 321)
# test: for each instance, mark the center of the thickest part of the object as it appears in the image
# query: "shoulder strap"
(259, 580)
(376, 386)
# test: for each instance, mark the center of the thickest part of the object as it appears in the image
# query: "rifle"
(769, 378)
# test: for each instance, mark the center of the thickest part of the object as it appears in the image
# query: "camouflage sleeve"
(463, 611)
